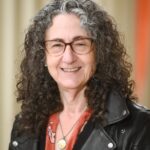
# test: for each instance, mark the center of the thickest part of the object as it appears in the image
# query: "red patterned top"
(52, 126)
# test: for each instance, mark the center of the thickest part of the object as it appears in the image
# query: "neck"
(74, 101)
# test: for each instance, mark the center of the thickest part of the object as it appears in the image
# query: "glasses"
(79, 46)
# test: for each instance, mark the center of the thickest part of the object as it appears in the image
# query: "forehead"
(66, 26)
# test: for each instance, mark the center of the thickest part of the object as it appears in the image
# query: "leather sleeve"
(21, 141)
(13, 135)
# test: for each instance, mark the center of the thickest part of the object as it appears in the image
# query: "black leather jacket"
(127, 128)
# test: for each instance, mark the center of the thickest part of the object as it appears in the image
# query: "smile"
(71, 69)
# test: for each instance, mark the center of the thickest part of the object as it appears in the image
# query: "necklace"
(62, 142)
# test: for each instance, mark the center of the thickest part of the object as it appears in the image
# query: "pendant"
(62, 144)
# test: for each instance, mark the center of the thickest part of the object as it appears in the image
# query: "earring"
(45, 65)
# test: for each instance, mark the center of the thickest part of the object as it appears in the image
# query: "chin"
(70, 85)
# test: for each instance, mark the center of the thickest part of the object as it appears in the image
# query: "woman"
(74, 87)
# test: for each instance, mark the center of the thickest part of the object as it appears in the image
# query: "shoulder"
(16, 125)
(138, 125)
(21, 141)
(138, 112)
(132, 132)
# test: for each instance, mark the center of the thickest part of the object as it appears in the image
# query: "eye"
(57, 44)
(80, 43)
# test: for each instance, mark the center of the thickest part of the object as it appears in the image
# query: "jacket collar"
(117, 109)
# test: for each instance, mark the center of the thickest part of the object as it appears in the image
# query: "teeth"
(70, 69)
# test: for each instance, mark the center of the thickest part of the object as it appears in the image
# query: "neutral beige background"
(15, 16)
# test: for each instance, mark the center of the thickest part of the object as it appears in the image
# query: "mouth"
(75, 69)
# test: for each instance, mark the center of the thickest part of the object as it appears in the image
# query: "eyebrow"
(75, 38)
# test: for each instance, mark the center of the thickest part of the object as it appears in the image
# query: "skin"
(71, 71)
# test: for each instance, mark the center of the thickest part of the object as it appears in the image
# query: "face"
(69, 70)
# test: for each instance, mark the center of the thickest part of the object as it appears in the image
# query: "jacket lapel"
(99, 140)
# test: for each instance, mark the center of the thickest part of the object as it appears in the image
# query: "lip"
(71, 69)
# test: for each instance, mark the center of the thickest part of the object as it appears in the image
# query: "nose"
(68, 55)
